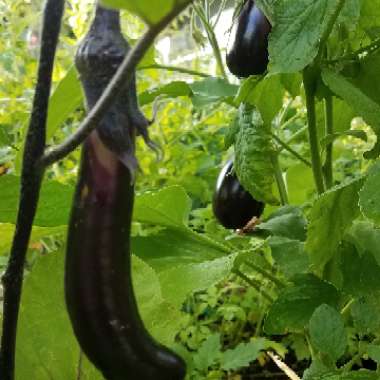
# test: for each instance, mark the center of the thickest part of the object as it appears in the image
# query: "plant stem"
(265, 274)
(255, 285)
(329, 130)
(330, 25)
(291, 150)
(118, 82)
(182, 70)
(280, 180)
(213, 40)
(309, 80)
(370, 48)
(297, 134)
(31, 179)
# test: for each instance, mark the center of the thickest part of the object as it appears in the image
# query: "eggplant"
(233, 206)
(248, 52)
(99, 293)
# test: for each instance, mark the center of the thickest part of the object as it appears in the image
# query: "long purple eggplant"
(98, 287)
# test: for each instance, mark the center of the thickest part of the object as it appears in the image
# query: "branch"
(182, 70)
(31, 179)
(118, 82)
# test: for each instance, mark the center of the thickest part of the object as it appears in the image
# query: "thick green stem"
(329, 130)
(280, 180)
(309, 80)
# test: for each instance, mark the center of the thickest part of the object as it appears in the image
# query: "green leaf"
(212, 90)
(65, 99)
(360, 273)
(292, 46)
(287, 221)
(369, 197)
(158, 207)
(253, 156)
(365, 313)
(180, 281)
(242, 354)
(171, 90)
(46, 346)
(332, 214)
(327, 332)
(373, 352)
(300, 183)
(360, 102)
(171, 247)
(150, 12)
(38, 233)
(295, 305)
(208, 353)
(232, 131)
(366, 238)
(53, 208)
(266, 94)
(153, 306)
(289, 255)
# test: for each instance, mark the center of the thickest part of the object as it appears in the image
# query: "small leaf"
(327, 332)
(208, 353)
(287, 221)
(242, 355)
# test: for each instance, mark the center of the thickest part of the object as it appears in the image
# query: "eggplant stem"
(120, 80)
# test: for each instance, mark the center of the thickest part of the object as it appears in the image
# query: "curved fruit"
(233, 206)
(98, 285)
(249, 50)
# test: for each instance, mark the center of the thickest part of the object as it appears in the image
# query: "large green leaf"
(296, 303)
(169, 207)
(181, 280)
(298, 28)
(172, 246)
(332, 214)
(54, 206)
(150, 11)
(46, 346)
(65, 99)
(254, 154)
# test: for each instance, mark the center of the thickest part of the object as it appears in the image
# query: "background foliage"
(305, 283)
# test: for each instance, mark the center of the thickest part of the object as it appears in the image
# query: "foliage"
(304, 283)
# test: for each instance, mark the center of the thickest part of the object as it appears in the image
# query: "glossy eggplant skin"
(98, 285)
(248, 52)
(233, 206)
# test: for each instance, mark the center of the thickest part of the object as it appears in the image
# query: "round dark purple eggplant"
(233, 206)
(248, 52)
